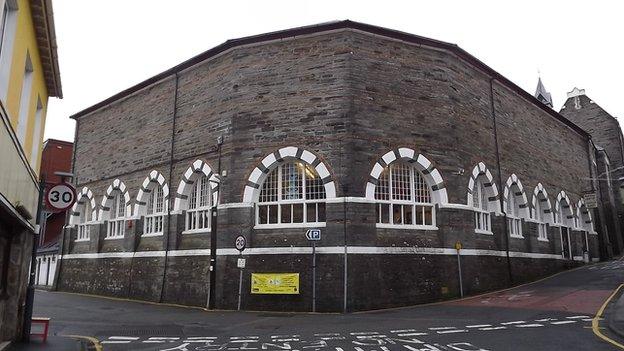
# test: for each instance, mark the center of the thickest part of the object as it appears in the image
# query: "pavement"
(54, 343)
(557, 313)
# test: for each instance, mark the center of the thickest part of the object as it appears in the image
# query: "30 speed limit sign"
(61, 197)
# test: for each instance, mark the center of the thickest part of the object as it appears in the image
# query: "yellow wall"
(26, 42)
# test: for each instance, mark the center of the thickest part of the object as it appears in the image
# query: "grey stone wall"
(347, 97)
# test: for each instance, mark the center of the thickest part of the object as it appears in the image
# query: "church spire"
(542, 95)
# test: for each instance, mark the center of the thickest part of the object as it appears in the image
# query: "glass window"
(155, 209)
(199, 204)
(480, 205)
(403, 197)
(292, 193)
(514, 222)
(83, 227)
(116, 226)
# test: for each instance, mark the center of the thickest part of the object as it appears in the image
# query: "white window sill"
(113, 237)
(542, 240)
(197, 231)
(516, 236)
(290, 225)
(82, 240)
(405, 226)
(481, 231)
(151, 234)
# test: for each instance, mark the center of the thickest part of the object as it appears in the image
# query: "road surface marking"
(514, 322)
(364, 333)
(115, 342)
(403, 331)
(577, 317)
(478, 326)
(545, 320)
(452, 331)
(535, 325)
(123, 338)
(243, 337)
(412, 334)
(441, 328)
(493, 328)
(562, 322)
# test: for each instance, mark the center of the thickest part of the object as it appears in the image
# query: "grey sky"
(107, 46)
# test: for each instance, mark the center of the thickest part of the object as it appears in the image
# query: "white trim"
(577, 258)
(542, 239)
(197, 231)
(82, 240)
(112, 238)
(456, 206)
(335, 250)
(291, 225)
(405, 226)
(515, 236)
(235, 205)
(149, 235)
(481, 231)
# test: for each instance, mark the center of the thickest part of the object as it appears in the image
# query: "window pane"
(428, 215)
(397, 212)
(263, 214)
(419, 215)
(381, 190)
(401, 188)
(204, 191)
(311, 212)
(484, 198)
(314, 185)
(273, 213)
(297, 213)
(478, 220)
(408, 214)
(385, 213)
(269, 187)
(292, 181)
(421, 188)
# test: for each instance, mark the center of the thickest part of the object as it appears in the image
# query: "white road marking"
(441, 328)
(535, 325)
(514, 322)
(545, 320)
(452, 331)
(327, 334)
(123, 338)
(115, 342)
(364, 333)
(493, 328)
(412, 334)
(403, 331)
(587, 319)
(478, 326)
(562, 322)
(200, 337)
(577, 317)
(285, 336)
(243, 337)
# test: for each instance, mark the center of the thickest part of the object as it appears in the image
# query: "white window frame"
(412, 202)
(198, 219)
(482, 214)
(542, 226)
(116, 225)
(153, 223)
(514, 221)
(9, 15)
(24, 105)
(36, 139)
(83, 228)
(281, 203)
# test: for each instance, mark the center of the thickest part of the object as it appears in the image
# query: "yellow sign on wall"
(275, 283)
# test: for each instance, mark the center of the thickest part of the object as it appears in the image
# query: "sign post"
(313, 235)
(240, 243)
(458, 246)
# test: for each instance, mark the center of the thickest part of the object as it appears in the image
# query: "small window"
(199, 206)
(542, 228)
(155, 212)
(293, 193)
(116, 226)
(480, 205)
(514, 222)
(403, 198)
(84, 226)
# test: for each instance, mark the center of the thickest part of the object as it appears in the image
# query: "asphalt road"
(553, 314)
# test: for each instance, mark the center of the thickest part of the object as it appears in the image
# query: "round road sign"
(60, 197)
(240, 243)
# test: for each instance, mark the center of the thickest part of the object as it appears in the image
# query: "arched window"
(116, 227)
(543, 212)
(480, 205)
(404, 198)
(564, 214)
(154, 211)
(514, 222)
(83, 227)
(292, 193)
(199, 203)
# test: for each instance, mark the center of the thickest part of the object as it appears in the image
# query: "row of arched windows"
(290, 188)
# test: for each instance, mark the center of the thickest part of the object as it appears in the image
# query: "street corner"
(608, 324)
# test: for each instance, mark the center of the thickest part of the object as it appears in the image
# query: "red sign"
(60, 197)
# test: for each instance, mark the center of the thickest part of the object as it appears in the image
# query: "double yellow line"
(596, 320)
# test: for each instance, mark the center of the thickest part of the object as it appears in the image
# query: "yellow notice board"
(275, 283)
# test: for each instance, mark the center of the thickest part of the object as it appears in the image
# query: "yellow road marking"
(92, 340)
(596, 328)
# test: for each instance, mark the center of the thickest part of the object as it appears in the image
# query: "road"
(552, 314)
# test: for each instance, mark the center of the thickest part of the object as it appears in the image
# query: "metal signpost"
(240, 243)
(59, 198)
(313, 235)
(458, 246)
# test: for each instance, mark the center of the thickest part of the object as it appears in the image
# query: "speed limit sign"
(60, 197)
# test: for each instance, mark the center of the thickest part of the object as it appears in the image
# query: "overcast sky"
(107, 46)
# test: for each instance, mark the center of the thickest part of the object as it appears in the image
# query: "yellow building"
(29, 75)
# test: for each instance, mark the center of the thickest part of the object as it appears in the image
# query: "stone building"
(397, 147)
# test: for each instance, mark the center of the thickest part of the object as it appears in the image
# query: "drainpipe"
(500, 180)
(167, 237)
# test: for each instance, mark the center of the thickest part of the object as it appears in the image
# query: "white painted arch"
(271, 161)
(420, 162)
(540, 196)
(513, 187)
(146, 188)
(481, 170)
(108, 198)
(195, 170)
(84, 195)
